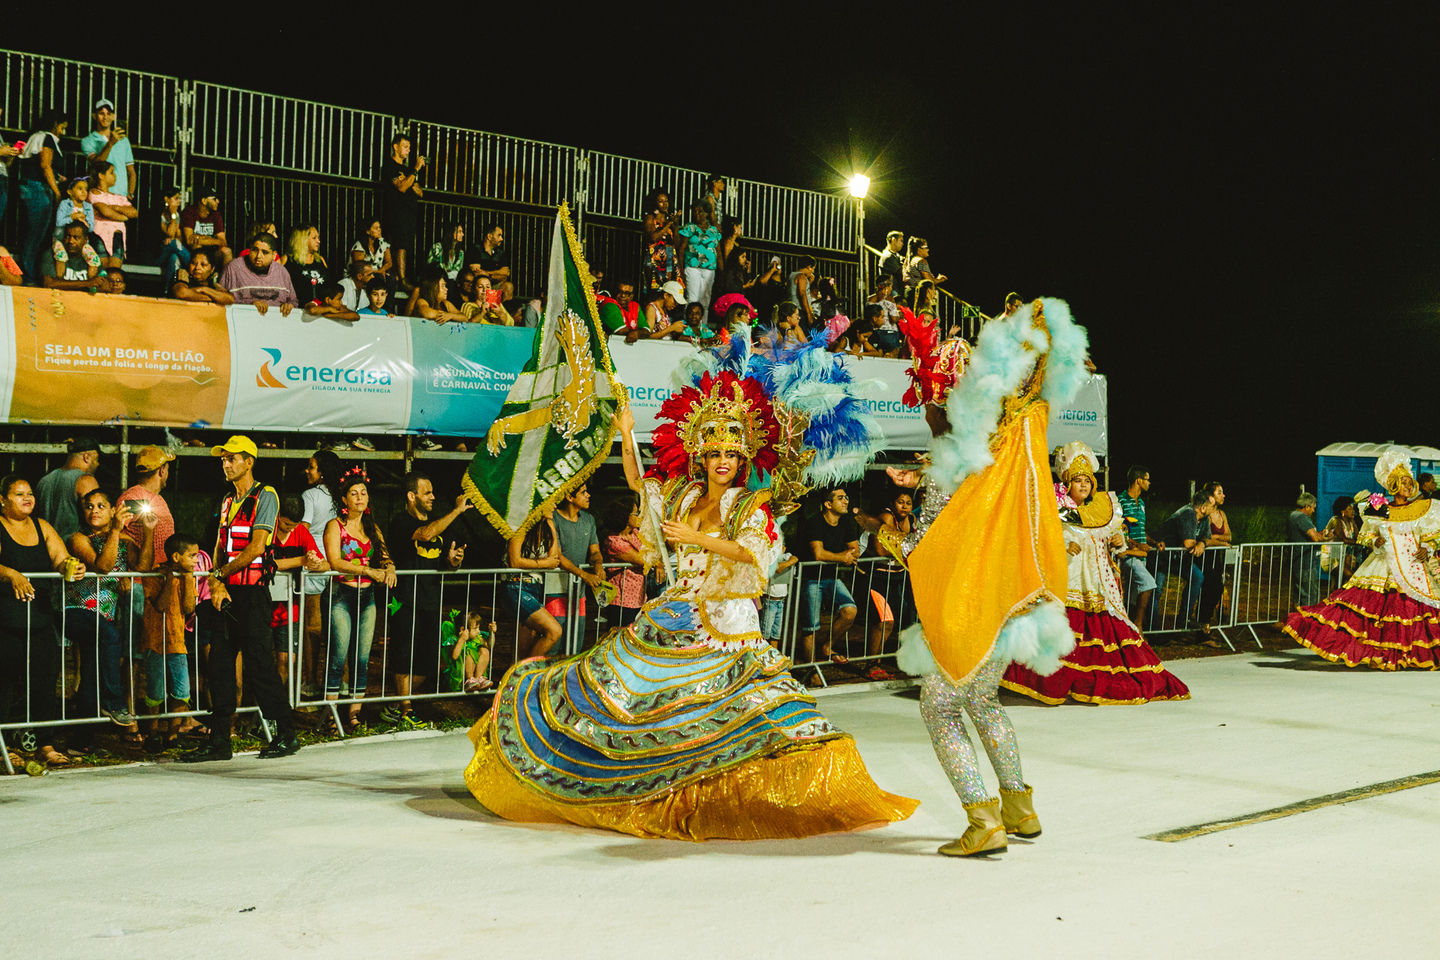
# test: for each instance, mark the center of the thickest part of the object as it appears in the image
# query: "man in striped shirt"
(1139, 581)
(257, 279)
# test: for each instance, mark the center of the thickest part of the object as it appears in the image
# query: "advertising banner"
(95, 358)
(646, 366)
(1084, 419)
(74, 357)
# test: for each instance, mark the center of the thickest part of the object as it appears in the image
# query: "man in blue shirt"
(109, 141)
(1186, 528)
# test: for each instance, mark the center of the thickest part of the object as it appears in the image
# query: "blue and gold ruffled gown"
(685, 725)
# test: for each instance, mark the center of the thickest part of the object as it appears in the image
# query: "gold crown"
(719, 422)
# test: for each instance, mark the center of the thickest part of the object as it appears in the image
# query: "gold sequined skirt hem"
(802, 791)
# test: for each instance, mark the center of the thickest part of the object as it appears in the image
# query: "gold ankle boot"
(986, 834)
(1017, 809)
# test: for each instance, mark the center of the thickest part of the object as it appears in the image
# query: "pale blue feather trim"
(1004, 355)
(1039, 638)
(1065, 371)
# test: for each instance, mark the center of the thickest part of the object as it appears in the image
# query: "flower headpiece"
(724, 412)
(350, 476)
(1392, 466)
(1076, 459)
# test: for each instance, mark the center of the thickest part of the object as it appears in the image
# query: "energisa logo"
(359, 379)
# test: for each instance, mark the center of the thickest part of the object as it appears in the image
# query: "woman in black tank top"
(28, 641)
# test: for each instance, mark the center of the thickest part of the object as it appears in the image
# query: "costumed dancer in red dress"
(1111, 662)
(1387, 615)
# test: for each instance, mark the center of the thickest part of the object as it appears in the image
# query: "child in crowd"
(170, 601)
(376, 294)
(75, 208)
(295, 549)
(772, 610)
(469, 651)
(621, 544)
(330, 302)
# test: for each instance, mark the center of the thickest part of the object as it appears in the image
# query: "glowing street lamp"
(859, 186)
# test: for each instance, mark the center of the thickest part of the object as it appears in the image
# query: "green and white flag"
(558, 421)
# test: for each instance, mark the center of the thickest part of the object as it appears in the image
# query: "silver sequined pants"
(944, 705)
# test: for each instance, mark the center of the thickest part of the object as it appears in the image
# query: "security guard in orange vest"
(239, 589)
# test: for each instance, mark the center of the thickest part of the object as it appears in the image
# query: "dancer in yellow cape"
(987, 559)
(685, 724)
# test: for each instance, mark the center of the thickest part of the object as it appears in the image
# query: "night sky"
(1241, 212)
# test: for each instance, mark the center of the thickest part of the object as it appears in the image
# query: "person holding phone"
(109, 141)
(421, 542)
(400, 195)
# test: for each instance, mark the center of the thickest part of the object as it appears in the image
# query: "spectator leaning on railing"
(200, 282)
(1136, 569)
(308, 270)
(204, 228)
(417, 540)
(258, 280)
(29, 661)
(1187, 528)
(108, 141)
(91, 605)
(1300, 528)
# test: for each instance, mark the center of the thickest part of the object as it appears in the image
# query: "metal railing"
(148, 105)
(814, 613)
(282, 133)
(196, 120)
(1273, 579)
(67, 653)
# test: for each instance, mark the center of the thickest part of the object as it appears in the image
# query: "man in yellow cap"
(152, 467)
(239, 590)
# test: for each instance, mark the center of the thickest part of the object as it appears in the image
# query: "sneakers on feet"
(122, 716)
(411, 722)
(391, 715)
(427, 444)
(360, 443)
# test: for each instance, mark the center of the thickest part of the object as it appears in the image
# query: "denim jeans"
(173, 258)
(821, 595)
(772, 614)
(4, 195)
(37, 214)
(352, 628)
(101, 653)
(164, 670)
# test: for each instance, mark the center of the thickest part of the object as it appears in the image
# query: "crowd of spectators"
(80, 220)
(691, 268)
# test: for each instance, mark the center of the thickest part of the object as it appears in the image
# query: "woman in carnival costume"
(987, 558)
(1111, 662)
(1387, 615)
(686, 724)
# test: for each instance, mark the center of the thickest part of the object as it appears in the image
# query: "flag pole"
(651, 519)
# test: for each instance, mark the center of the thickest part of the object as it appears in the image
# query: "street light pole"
(859, 186)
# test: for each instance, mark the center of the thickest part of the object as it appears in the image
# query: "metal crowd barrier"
(879, 591)
(1272, 579)
(86, 677)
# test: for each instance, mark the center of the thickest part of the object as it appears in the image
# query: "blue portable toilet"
(1344, 469)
